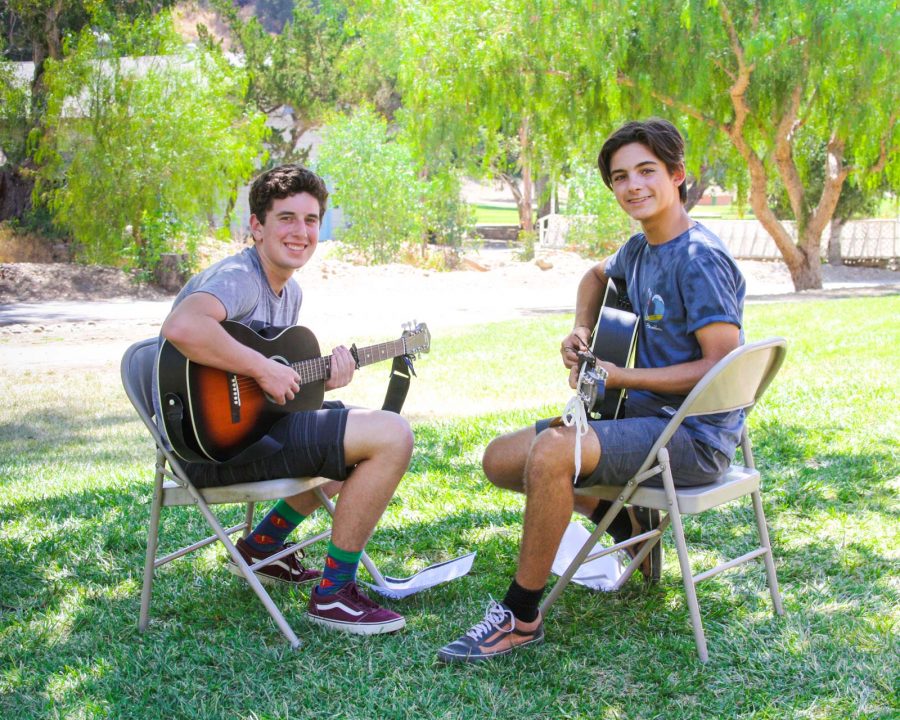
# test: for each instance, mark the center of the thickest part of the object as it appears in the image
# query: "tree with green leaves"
(34, 30)
(15, 192)
(491, 82)
(295, 69)
(139, 129)
(767, 77)
(373, 180)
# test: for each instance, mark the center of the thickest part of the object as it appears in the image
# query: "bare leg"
(550, 499)
(380, 445)
(307, 502)
(505, 459)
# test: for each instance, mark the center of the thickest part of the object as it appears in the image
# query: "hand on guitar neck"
(212, 414)
(594, 359)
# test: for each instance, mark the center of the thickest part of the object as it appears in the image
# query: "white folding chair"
(172, 487)
(736, 381)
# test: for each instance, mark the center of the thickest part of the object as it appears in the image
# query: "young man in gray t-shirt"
(689, 294)
(365, 452)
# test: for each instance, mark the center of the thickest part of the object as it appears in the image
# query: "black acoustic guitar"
(211, 414)
(614, 340)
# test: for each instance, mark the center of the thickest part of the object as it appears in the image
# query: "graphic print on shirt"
(654, 310)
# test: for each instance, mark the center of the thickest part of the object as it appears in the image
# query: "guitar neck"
(320, 368)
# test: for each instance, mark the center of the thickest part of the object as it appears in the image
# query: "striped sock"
(273, 529)
(340, 569)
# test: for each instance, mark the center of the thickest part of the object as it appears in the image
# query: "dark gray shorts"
(624, 445)
(312, 446)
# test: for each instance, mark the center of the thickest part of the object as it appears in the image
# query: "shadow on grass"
(72, 572)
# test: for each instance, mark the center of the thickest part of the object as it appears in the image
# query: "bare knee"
(551, 459)
(378, 434)
(490, 462)
(504, 460)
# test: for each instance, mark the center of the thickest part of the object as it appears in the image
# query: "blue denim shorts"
(624, 445)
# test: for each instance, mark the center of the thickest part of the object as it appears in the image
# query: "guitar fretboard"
(320, 368)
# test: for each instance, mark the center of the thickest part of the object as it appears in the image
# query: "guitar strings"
(313, 369)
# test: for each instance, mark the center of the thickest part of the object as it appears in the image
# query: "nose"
(298, 229)
(633, 183)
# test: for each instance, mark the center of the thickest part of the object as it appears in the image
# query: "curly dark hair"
(281, 182)
(659, 136)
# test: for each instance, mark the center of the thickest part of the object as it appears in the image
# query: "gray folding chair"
(736, 381)
(172, 487)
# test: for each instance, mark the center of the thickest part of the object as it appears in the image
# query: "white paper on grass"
(427, 578)
(599, 574)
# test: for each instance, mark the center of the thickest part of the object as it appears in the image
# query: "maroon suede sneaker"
(350, 611)
(287, 570)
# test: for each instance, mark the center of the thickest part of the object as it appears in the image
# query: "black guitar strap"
(173, 409)
(398, 385)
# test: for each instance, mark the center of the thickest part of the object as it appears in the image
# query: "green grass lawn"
(75, 477)
(494, 215)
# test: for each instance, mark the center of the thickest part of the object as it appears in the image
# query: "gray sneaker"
(498, 634)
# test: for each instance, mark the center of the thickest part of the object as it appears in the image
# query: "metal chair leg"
(248, 519)
(771, 577)
(687, 575)
(152, 545)
(249, 576)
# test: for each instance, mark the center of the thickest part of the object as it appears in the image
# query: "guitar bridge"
(234, 394)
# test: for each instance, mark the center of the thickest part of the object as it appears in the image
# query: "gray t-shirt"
(240, 284)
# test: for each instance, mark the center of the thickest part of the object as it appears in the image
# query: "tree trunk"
(15, 194)
(544, 193)
(835, 257)
(696, 188)
(526, 212)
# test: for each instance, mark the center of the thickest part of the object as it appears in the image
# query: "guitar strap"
(173, 409)
(398, 385)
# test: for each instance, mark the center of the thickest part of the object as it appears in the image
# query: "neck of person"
(276, 277)
(661, 229)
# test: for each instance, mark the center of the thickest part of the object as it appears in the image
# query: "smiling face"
(287, 239)
(644, 187)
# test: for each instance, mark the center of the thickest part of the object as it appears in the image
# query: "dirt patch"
(36, 282)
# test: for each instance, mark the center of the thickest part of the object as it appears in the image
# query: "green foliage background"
(123, 147)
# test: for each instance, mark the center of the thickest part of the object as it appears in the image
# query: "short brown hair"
(281, 182)
(659, 136)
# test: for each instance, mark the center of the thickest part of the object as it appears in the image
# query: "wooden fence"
(877, 240)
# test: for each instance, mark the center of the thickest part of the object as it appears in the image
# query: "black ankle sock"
(619, 528)
(523, 602)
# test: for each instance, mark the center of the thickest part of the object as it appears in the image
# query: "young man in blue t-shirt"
(689, 295)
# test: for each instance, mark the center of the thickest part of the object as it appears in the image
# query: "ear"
(679, 176)
(255, 228)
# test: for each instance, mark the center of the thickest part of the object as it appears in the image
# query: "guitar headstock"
(417, 338)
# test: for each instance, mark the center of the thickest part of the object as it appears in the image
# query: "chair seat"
(737, 482)
(175, 494)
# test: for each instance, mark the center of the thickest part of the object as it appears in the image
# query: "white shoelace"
(574, 415)
(494, 616)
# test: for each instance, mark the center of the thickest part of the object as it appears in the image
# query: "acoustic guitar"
(614, 340)
(210, 414)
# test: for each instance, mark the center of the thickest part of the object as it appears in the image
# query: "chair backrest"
(737, 381)
(137, 379)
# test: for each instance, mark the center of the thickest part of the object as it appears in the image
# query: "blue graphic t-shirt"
(677, 288)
